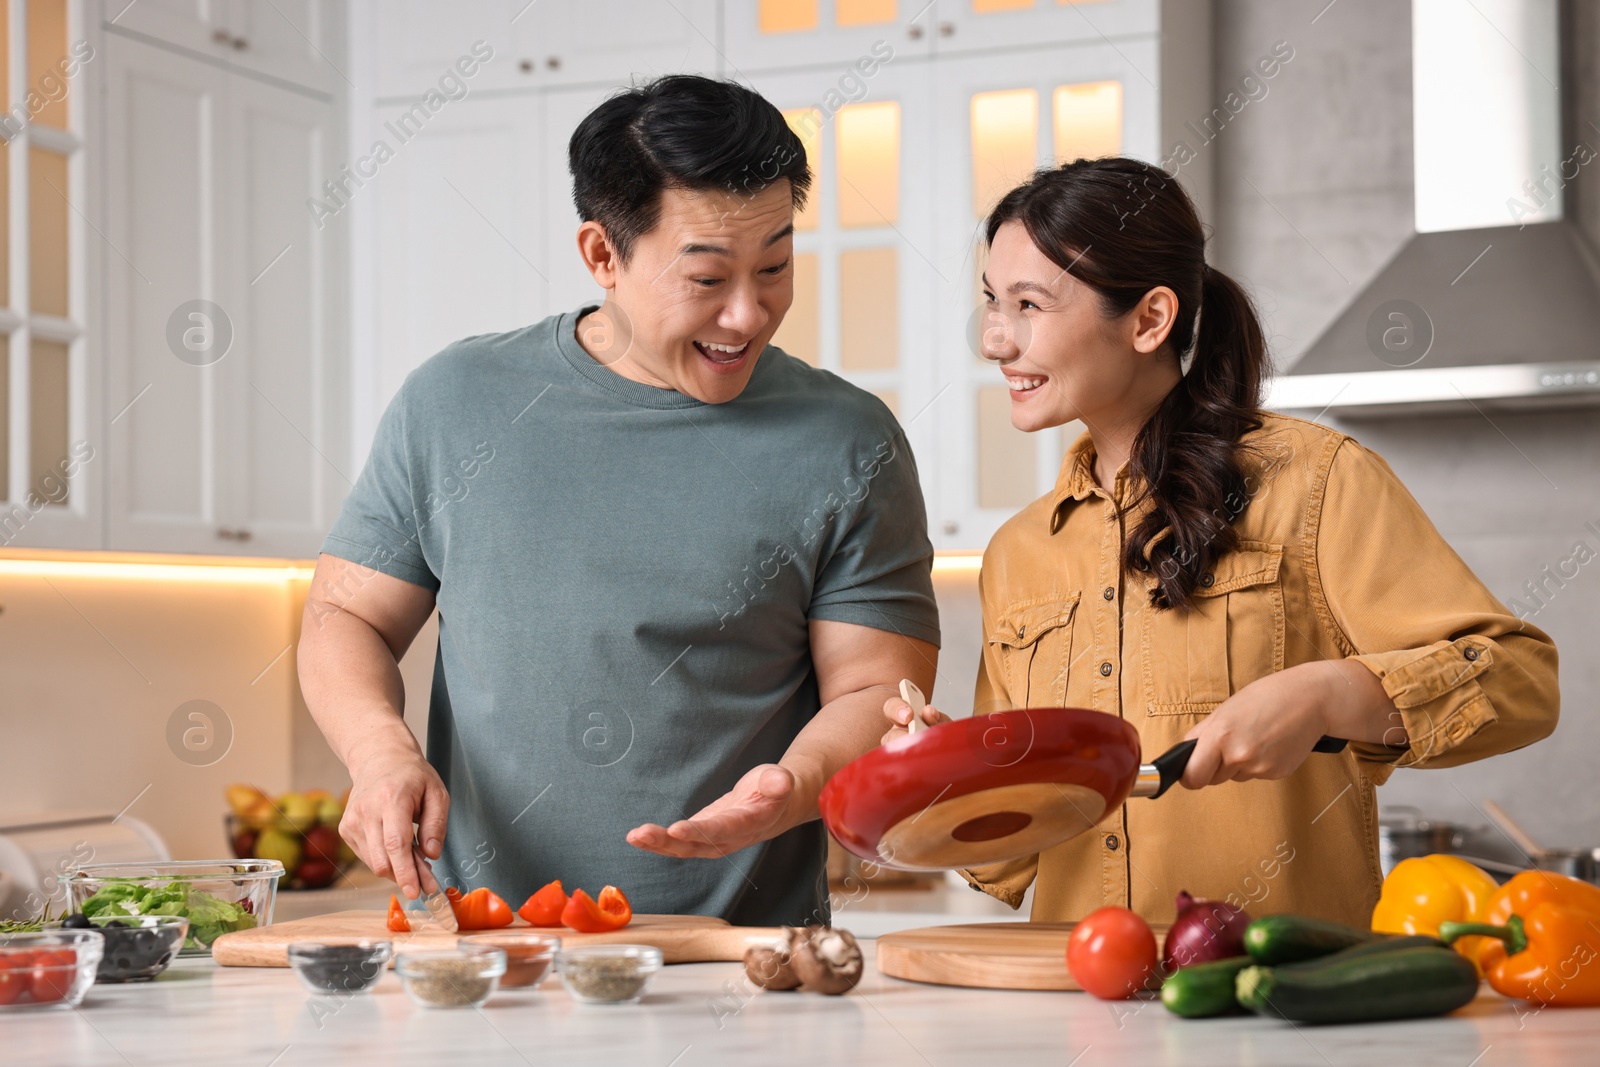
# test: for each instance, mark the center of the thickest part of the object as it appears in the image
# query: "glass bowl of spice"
(462, 977)
(608, 974)
(350, 965)
(528, 956)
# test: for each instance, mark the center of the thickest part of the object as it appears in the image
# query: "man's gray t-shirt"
(624, 578)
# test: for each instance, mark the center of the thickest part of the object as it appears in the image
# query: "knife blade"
(436, 902)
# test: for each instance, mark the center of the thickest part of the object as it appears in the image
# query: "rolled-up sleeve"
(1468, 678)
(1007, 881)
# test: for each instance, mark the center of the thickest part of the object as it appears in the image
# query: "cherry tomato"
(14, 968)
(1112, 953)
(544, 907)
(53, 973)
(589, 916)
(398, 921)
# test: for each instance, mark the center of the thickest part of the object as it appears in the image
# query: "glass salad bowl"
(216, 896)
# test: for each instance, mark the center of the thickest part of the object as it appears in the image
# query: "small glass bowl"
(339, 965)
(48, 969)
(251, 884)
(528, 956)
(608, 974)
(137, 947)
(461, 977)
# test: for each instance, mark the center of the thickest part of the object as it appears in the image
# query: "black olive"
(77, 921)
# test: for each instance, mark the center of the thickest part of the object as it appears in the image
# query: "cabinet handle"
(228, 533)
(554, 62)
(526, 66)
(947, 29)
(220, 36)
(951, 526)
(240, 44)
(914, 32)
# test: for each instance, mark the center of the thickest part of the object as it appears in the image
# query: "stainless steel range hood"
(1471, 313)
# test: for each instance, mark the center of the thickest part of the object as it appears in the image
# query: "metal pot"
(1581, 863)
(1403, 834)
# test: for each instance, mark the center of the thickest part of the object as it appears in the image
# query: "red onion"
(1205, 930)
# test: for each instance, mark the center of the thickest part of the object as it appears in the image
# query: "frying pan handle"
(1166, 769)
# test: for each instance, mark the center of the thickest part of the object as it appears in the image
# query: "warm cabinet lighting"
(208, 569)
(1088, 120)
(788, 16)
(957, 562)
(1005, 144)
(869, 164)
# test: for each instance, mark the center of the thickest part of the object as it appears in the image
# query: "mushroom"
(771, 966)
(827, 960)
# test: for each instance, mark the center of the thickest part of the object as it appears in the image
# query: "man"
(677, 571)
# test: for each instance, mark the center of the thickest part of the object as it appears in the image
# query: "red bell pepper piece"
(398, 922)
(544, 907)
(589, 916)
(480, 909)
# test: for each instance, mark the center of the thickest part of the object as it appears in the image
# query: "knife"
(437, 903)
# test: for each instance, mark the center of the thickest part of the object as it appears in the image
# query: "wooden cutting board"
(681, 938)
(983, 955)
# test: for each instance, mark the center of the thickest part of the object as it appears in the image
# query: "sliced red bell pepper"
(544, 907)
(481, 909)
(398, 922)
(589, 916)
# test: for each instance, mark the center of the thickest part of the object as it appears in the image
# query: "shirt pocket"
(1229, 636)
(1031, 647)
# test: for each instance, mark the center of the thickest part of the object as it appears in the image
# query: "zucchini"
(1201, 990)
(1382, 943)
(1403, 984)
(1276, 939)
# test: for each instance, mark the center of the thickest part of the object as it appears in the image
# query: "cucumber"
(1382, 943)
(1201, 990)
(1276, 939)
(1403, 984)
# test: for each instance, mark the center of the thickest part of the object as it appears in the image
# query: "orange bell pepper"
(544, 907)
(589, 916)
(1422, 892)
(398, 923)
(1542, 940)
(480, 909)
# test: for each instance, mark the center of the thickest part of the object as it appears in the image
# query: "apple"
(244, 844)
(322, 843)
(316, 873)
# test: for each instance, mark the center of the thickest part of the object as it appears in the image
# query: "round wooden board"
(983, 955)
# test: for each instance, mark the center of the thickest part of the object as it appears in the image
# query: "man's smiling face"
(702, 292)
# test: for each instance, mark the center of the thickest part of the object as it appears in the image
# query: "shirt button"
(1110, 593)
(1105, 669)
(1022, 631)
(1112, 843)
(1470, 653)
(1206, 580)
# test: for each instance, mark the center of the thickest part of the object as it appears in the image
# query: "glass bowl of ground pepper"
(351, 965)
(460, 977)
(528, 956)
(607, 974)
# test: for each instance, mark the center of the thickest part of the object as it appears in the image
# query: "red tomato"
(53, 974)
(398, 921)
(589, 916)
(544, 907)
(14, 968)
(1112, 953)
(481, 909)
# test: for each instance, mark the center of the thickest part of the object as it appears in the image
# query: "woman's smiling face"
(1062, 357)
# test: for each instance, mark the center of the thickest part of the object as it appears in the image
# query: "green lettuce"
(209, 916)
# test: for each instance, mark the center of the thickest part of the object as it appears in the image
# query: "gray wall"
(1313, 194)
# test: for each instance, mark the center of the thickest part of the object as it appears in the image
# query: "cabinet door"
(996, 124)
(415, 43)
(299, 41)
(616, 42)
(458, 240)
(977, 25)
(570, 284)
(865, 275)
(198, 25)
(286, 431)
(165, 135)
(785, 34)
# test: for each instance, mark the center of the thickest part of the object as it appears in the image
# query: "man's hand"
(391, 789)
(755, 809)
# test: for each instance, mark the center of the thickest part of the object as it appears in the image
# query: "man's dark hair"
(681, 131)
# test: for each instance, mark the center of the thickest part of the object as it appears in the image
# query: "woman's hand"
(898, 712)
(1266, 729)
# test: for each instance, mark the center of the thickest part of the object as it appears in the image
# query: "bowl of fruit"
(299, 830)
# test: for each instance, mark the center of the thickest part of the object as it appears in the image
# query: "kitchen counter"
(198, 1013)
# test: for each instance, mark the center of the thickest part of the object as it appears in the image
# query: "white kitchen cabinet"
(963, 26)
(227, 430)
(297, 41)
(777, 35)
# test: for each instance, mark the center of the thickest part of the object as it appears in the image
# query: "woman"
(1208, 570)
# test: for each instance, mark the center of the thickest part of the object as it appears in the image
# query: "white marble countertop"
(198, 1013)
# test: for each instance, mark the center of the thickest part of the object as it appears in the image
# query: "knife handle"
(1166, 769)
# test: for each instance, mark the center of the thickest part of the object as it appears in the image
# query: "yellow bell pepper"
(1422, 892)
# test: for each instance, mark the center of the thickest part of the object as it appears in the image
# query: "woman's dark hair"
(1124, 227)
(678, 132)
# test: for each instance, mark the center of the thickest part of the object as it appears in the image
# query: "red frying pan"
(994, 787)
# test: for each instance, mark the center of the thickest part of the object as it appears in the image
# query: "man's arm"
(857, 667)
(357, 624)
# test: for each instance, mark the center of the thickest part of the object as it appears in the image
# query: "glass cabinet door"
(790, 34)
(961, 26)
